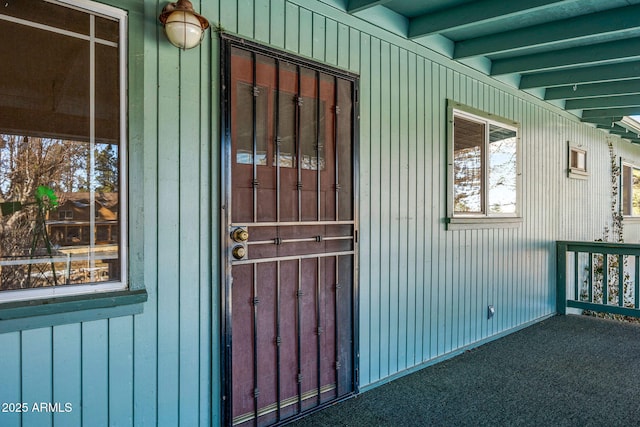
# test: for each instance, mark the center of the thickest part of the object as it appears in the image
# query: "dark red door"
(291, 245)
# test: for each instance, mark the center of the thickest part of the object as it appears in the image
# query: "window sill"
(476, 223)
(32, 314)
(578, 175)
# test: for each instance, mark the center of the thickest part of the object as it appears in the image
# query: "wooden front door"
(290, 235)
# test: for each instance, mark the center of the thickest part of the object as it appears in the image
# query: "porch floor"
(563, 371)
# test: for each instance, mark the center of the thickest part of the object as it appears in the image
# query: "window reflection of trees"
(28, 162)
(471, 152)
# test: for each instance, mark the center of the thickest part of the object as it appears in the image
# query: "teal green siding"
(423, 290)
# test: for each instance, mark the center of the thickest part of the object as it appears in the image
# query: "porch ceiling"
(581, 55)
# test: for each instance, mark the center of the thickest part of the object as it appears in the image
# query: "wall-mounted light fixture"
(182, 25)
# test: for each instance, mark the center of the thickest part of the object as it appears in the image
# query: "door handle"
(240, 235)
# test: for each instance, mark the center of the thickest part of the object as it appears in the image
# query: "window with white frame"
(62, 149)
(483, 165)
(630, 190)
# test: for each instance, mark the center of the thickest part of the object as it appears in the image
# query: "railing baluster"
(576, 294)
(605, 279)
(590, 277)
(637, 283)
(621, 280)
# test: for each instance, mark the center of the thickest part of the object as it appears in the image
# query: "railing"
(598, 276)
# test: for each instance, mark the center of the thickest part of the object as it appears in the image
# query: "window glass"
(467, 165)
(60, 150)
(484, 167)
(502, 170)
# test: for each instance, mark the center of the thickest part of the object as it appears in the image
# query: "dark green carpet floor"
(564, 371)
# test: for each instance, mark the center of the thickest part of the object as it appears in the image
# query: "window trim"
(457, 221)
(128, 298)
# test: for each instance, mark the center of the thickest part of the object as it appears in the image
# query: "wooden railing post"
(561, 278)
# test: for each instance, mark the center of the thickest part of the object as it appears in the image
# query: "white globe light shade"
(183, 30)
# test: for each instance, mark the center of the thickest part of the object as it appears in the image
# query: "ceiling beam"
(602, 102)
(610, 112)
(618, 130)
(622, 87)
(622, 133)
(610, 21)
(469, 13)
(602, 122)
(598, 73)
(601, 52)
(358, 5)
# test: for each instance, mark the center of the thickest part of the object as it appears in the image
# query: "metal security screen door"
(290, 235)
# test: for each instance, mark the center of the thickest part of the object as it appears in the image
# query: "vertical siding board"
(10, 376)
(262, 24)
(419, 166)
(229, 15)
(168, 375)
(276, 24)
(95, 373)
(189, 234)
(120, 371)
(412, 235)
(354, 50)
(246, 18)
(473, 276)
(37, 375)
(369, 313)
(438, 309)
(145, 326)
(429, 143)
(305, 32)
(318, 37)
(67, 373)
(385, 220)
(331, 42)
(404, 192)
(342, 48)
(376, 295)
(292, 19)
(432, 95)
(394, 213)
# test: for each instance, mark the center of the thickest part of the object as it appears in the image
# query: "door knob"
(240, 235)
(239, 252)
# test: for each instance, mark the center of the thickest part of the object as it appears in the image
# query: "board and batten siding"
(423, 290)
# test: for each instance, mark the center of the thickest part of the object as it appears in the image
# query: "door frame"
(227, 41)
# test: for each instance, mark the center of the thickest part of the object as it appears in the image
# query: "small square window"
(577, 162)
